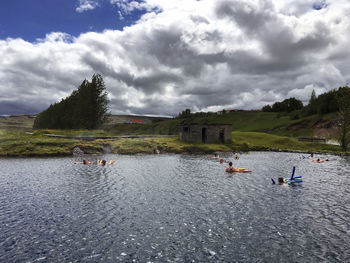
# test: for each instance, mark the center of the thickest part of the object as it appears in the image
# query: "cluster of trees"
(85, 108)
(337, 100)
(187, 114)
(324, 103)
(343, 104)
(184, 114)
(288, 105)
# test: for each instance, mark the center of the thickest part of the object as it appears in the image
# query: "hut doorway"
(222, 136)
(204, 135)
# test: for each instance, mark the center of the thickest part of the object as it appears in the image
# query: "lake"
(174, 208)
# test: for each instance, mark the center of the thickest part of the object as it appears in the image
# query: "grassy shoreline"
(21, 144)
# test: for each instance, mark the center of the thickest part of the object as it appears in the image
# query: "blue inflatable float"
(293, 179)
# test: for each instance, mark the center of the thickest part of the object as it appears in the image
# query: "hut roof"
(201, 121)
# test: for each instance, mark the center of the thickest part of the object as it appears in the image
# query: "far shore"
(44, 144)
(59, 154)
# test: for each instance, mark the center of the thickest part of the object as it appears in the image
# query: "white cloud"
(85, 5)
(203, 55)
(125, 7)
(304, 94)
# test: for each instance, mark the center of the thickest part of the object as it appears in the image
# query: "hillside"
(25, 122)
(244, 121)
(252, 131)
(17, 122)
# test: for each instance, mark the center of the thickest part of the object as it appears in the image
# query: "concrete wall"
(209, 133)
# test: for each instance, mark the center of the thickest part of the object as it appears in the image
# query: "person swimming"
(230, 168)
(216, 156)
(280, 180)
(104, 162)
(83, 162)
(318, 161)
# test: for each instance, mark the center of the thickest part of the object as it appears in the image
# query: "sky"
(159, 57)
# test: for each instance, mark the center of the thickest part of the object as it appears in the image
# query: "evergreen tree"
(185, 113)
(327, 102)
(343, 101)
(324, 103)
(85, 108)
(267, 108)
(311, 108)
(288, 105)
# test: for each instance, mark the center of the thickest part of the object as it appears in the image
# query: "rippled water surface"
(174, 208)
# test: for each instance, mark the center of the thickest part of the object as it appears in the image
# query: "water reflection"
(174, 208)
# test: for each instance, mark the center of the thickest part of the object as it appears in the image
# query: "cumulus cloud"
(85, 5)
(124, 7)
(203, 55)
(127, 6)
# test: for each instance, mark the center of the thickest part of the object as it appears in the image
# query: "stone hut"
(206, 133)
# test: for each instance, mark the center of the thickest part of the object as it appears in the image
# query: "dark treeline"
(343, 104)
(288, 105)
(187, 114)
(322, 104)
(85, 108)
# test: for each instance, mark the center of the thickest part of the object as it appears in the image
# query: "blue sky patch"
(33, 19)
(319, 5)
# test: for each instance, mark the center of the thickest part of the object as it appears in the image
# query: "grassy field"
(271, 122)
(251, 131)
(168, 127)
(17, 122)
(264, 141)
(268, 122)
(25, 122)
(19, 143)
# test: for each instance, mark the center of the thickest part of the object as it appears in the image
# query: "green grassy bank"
(13, 144)
(283, 124)
(262, 141)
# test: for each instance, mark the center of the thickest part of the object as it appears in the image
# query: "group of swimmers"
(230, 168)
(98, 162)
(281, 180)
(298, 179)
(318, 160)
